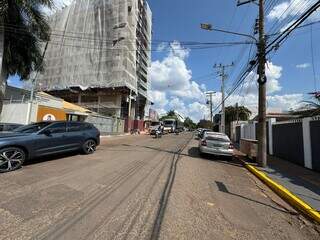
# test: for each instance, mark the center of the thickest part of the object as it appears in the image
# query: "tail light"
(231, 146)
(204, 143)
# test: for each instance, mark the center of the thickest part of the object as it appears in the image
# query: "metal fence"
(296, 141)
(288, 142)
(315, 143)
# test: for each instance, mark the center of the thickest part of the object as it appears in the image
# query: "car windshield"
(168, 123)
(155, 123)
(32, 128)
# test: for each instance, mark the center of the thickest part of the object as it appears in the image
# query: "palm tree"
(314, 105)
(23, 26)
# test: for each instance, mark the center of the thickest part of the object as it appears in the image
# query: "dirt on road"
(136, 187)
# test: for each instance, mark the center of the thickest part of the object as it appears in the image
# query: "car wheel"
(89, 146)
(11, 159)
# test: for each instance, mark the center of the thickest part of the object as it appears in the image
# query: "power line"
(275, 44)
(312, 59)
(83, 36)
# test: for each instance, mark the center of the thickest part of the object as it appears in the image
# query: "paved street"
(136, 187)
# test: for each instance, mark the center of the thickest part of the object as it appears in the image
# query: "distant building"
(98, 56)
(17, 108)
(278, 116)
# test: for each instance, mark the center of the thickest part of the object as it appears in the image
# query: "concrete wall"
(249, 131)
(296, 141)
(106, 125)
(17, 113)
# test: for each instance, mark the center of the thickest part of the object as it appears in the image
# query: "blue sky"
(291, 65)
(180, 74)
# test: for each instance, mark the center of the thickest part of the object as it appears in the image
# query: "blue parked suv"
(45, 138)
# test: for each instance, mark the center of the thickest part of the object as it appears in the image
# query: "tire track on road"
(166, 191)
(62, 226)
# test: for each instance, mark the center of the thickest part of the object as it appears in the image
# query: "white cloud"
(162, 46)
(279, 11)
(173, 88)
(194, 110)
(159, 98)
(172, 75)
(273, 73)
(292, 8)
(303, 65)
(285, 102)
(285, 27)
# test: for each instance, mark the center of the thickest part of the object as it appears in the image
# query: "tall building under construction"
(99, 55)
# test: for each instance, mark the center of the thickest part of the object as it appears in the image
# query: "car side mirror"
(46, 132)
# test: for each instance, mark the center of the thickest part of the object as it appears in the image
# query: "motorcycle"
(158, 134)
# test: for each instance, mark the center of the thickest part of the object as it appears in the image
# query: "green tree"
(234, 113)
(170, 114)
(23, 26)
(188, 123)
(205, 124)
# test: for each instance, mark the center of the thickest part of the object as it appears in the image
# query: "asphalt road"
(142, 188)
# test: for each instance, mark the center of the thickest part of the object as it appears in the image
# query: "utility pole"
(262, 80)
(237, 112)
(210, 94)
(221, 71)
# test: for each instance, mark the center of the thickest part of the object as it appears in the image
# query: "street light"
(208, 27)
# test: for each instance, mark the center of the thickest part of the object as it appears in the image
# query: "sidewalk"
(302, 182)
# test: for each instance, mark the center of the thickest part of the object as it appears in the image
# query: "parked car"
(7, 127)
(216, 144)
(202, 132)
(45, 138)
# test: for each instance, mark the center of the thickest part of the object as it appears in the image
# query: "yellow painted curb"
(295, 201)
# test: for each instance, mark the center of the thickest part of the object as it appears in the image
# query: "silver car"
(216, 144)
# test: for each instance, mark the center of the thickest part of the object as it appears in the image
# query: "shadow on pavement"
(223, 188)
(50, 158)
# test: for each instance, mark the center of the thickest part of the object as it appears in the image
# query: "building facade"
(99, 55)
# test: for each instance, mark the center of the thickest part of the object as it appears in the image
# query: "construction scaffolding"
(93, 44)
(101, 45)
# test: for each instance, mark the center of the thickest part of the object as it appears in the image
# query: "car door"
(76, 134)
(51, 140)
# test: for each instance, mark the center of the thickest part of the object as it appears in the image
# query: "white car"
(216, 144)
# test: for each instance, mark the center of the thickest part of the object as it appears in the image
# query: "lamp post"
(208, 27)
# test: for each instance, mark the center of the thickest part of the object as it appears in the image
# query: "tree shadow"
(223, 188)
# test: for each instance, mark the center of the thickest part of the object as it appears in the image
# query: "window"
(57, 128)
(74, 127)
(32, 128)
(87, 126)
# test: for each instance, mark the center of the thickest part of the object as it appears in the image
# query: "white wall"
(17, 113)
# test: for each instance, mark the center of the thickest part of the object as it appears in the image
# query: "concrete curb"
(284, 193)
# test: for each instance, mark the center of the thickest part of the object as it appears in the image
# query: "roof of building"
(73, 108)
